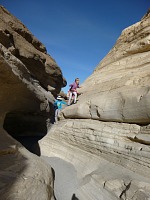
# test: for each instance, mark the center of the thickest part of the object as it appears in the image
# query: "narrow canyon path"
(66, 181)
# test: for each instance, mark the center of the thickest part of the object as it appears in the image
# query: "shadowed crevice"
(27, 128)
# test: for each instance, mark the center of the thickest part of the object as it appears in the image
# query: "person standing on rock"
(58, 106)
(73, 91)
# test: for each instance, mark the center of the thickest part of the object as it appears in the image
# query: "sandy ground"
(65, 178)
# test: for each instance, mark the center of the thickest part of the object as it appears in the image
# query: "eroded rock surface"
(31, 52)
(106, 135)
(23, 175)
(29, 79)
(119, 88)
(108, 157)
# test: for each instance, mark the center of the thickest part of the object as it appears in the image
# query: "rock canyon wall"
(29, 79)
(106, 135)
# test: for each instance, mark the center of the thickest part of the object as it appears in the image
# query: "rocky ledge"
(106, 135)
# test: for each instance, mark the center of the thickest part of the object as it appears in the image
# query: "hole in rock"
(27, 128)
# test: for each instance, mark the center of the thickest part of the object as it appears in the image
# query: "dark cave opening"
(27, 128)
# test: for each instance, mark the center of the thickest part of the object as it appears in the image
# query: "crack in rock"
(127, 187)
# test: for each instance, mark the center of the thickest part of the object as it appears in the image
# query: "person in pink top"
(73, 90)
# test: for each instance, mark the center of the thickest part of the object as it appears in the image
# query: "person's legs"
(56, 115)
(75, 96)
(70, 97)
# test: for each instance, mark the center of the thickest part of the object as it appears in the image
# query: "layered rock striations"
(106, 135)
(29, 79)
(31, 52)
(118, 90)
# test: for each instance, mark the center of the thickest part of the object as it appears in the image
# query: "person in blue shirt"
(58, 106)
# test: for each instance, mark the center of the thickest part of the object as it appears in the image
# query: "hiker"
(73, 91)
(58, 106)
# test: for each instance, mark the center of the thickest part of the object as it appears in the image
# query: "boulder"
(23, 175)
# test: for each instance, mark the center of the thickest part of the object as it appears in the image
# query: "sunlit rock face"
(106, 135)
(118, 90)
(29, 81)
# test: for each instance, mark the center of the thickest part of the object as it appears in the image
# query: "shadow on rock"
(27, 128)
(74, 197)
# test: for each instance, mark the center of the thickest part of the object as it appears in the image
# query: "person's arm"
(71, 85)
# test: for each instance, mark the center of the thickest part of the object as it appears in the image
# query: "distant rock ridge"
(106, 135)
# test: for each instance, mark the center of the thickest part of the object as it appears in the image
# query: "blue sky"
(77, 33)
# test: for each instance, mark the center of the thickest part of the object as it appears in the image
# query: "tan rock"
(109, 164)
(117, 142)
(23, 175)
(14, 35)
(21, 95)
(105, 136)
(26, 73)
(26, 70)
(119, 88)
